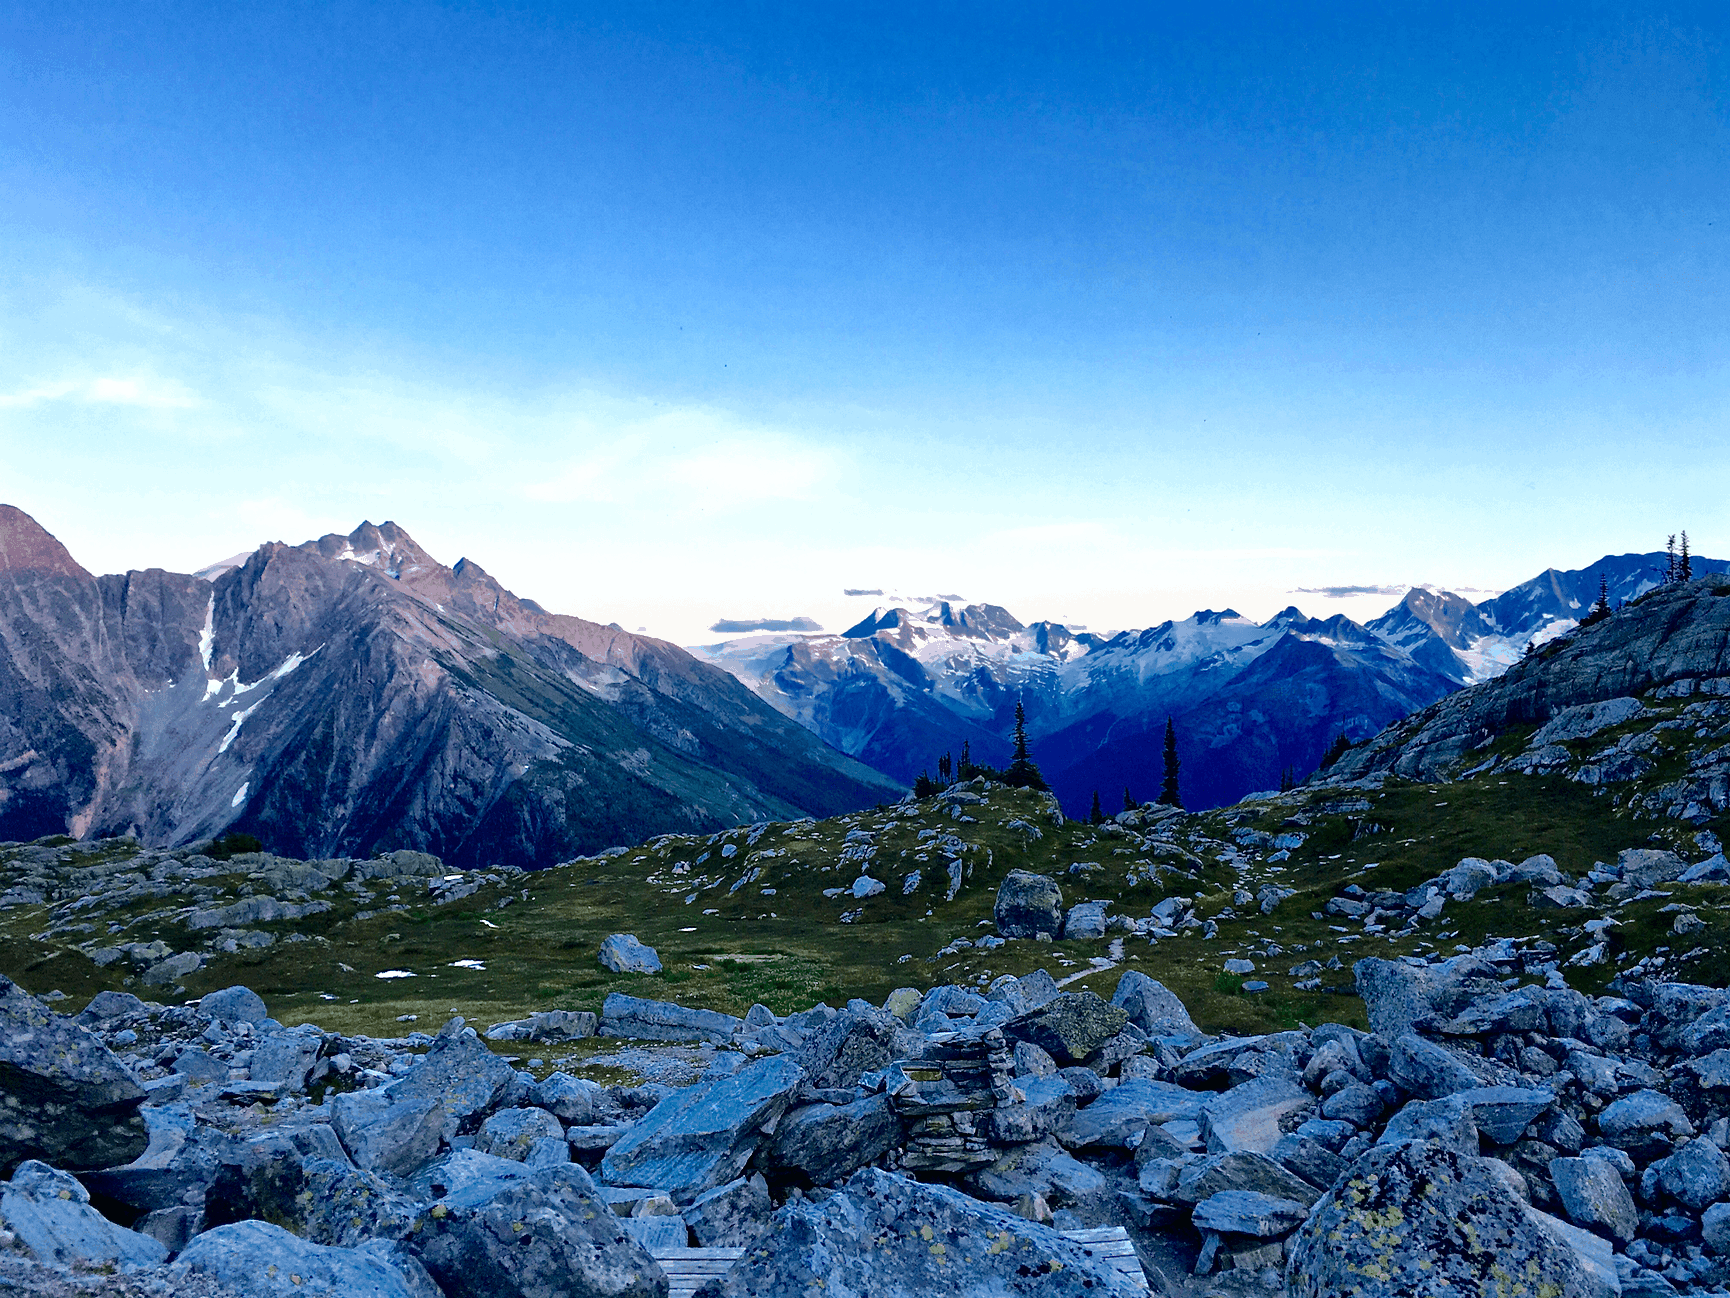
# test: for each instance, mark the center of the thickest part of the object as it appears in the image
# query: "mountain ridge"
(911, 680)
(352, 694)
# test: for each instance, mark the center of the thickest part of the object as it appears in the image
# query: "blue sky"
(667, 313)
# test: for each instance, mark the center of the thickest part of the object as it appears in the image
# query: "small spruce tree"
(1601, 608)
(1168, 794)
(1670, 559)
(1129, 803)
(1684, 563)
(1022, 773)
(1097, 815)
(964, 768)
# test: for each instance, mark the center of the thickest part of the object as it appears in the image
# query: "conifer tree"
(1670, 559)
(1685, 564)
(1601, 608)
(1022, 773)
(1097, 815)
(964, 771)
(1129, 803)
(1168, 794)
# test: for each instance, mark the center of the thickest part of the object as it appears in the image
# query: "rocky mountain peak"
(28, 547)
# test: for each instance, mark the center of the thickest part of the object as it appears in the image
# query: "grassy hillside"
(742, 917)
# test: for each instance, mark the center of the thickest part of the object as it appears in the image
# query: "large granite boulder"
(849, 1045)
(823, 1143)
(646, 1020)
(64, 1097)
(388, 1130)
(885, 1236)
(1398, 997)
(1417, 1220)
(702, 1136)
(254, 1259)
(1151, 1007)
(1028, 905)
(1069, 1027)
(50, 1213)
(325, 1200)
(467, 1080)
(624, 953)
(234, 1005)
(545, 1235)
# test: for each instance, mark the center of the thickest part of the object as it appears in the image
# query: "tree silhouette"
(1096, 816)
(1168, 794)
(1670, 559)
(1129, 803)
(1685, 564)
(1022, 773)
(1601, 609)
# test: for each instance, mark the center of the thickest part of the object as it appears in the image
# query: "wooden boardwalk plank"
(688, 1268)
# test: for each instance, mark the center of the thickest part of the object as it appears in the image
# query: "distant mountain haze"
(353, 694)
(1252, 701)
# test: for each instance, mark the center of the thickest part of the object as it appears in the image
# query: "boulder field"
(1492, 1134)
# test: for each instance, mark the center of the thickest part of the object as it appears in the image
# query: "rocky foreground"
(1496, 1132)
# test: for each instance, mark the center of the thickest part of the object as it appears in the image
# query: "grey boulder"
(512, 1133)
(849, 1045)
(646, 1020)
(734, 1215)
(1069, 1027)
(702, 1136)
(825, 1142)
(574, 1101)
(255, 1259)
(547, 1236)
(462, 1076)
(1028, 905)
(1151, 1007)
(888, 1237)
(234, 1005)
(1248, 1212)
(1127, 1109)
(1645, 1124)
(50, 1213)
(1594, 1196)
(1696, 1175)
(1417, 1220)
(1247, 1117)
(386, 1130)
(64, 1098)
(623, 953)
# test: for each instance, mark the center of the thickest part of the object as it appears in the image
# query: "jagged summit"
(351, 693)
(28, 547)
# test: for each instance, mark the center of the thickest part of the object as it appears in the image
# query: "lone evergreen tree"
(1685, 564)
(1286, 781)
(964, 769)
(1168, 795)
(1601, 608)
(1670, 559)
(1096, 816)
(1129, 803)
(1022, 773)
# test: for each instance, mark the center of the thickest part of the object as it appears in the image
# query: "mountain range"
(1251, 701)
(352, 694)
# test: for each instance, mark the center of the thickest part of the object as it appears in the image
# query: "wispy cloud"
(1348, 592)
(115, 390)
(736, 626)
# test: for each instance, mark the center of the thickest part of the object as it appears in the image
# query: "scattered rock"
(1028, 905)
(623, 953)
(1416, 1220)
(64, 1098)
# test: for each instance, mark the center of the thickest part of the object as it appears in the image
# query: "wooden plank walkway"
(689, 1268)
